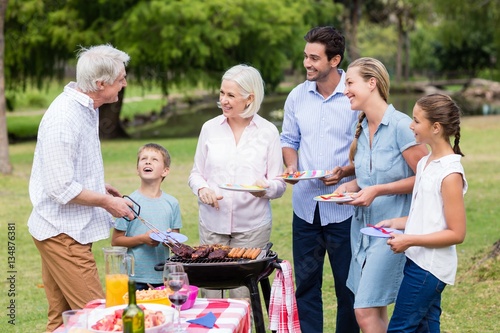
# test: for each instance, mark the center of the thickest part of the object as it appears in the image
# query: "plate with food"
(380, 231)
(242, 187)
(304, 175)
(157, 318)
(335, 197)
(163, 237)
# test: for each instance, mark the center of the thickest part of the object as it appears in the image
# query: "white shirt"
(218, 160)
(427, 216)
(67, 160)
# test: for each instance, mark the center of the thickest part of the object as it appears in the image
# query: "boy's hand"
(149, 241)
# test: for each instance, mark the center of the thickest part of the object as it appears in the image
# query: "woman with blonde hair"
(385, 155)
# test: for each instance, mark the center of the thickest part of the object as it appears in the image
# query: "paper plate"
(304, 175)
(175, 235)
(371, 231)
(334, 197)
(242, 188)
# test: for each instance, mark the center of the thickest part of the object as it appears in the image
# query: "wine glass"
(178, 283)
(171, 267)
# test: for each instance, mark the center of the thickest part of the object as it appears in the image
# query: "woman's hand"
(209, 197)
(364, 197)
(262, 183)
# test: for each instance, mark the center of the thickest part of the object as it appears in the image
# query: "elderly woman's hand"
(262, 183)
(209, 197)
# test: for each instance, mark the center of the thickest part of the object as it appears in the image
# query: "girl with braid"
(385, 157)
(436, 222)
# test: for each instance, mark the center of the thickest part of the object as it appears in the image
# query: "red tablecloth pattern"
(233, 315)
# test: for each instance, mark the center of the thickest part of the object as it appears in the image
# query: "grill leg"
(258, 317)
(265, 285)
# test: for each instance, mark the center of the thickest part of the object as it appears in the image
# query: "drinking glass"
(171, 267)
(73, 320)
(178, 284)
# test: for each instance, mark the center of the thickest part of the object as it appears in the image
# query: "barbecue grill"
(231, 273)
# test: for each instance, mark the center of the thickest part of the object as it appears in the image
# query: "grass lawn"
(472, 305)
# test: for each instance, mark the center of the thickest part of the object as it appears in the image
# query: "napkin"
(207, 320)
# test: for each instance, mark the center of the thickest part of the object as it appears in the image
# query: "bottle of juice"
(133, 316)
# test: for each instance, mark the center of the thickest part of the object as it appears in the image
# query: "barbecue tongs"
(167, 239)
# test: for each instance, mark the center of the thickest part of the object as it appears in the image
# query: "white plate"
(304, 175)
(331, 198)
(371, 231)
(175, 235)
(242, 188)
(97, 314)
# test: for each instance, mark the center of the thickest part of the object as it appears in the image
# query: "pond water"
(187, 123)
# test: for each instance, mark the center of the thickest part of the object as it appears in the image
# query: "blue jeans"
(310, 243)
(418, 305)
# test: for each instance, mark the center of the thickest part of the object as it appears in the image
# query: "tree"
(468, 39)
(174, 43)
(5, 166)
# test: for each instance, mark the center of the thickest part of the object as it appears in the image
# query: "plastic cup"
(74, 320)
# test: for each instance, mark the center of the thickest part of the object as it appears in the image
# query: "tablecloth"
(233, 315)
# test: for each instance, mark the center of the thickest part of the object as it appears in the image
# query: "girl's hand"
(399, 243)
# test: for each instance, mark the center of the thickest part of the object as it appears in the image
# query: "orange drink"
(116, 287)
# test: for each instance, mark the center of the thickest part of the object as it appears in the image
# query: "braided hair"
(354, 144)
(440, 108)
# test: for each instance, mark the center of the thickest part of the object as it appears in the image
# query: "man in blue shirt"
(318, 128)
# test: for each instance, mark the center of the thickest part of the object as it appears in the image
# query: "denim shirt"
(383, 163)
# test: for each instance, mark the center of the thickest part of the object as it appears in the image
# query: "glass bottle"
(133, 315)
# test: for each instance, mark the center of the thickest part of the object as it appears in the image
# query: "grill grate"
(205, 260)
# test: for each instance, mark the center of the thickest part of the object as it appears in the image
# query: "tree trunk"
(399, 54)
(5, 166)
(407, 57)
(351, 21)
(110, 126)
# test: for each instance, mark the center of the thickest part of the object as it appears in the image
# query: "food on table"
(149, 294)
(113, 322)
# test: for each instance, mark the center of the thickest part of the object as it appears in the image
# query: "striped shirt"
(321, 130)
(67, 160)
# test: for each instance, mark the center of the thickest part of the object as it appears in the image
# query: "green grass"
(472, 305)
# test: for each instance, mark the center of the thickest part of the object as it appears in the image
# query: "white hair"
(99, 63)
(250, 83)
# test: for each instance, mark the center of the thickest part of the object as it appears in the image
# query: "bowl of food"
(155, 296)
(158, 318)
(193, 294)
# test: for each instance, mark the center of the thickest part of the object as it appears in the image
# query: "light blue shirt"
(321, 130)
(164, 213)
